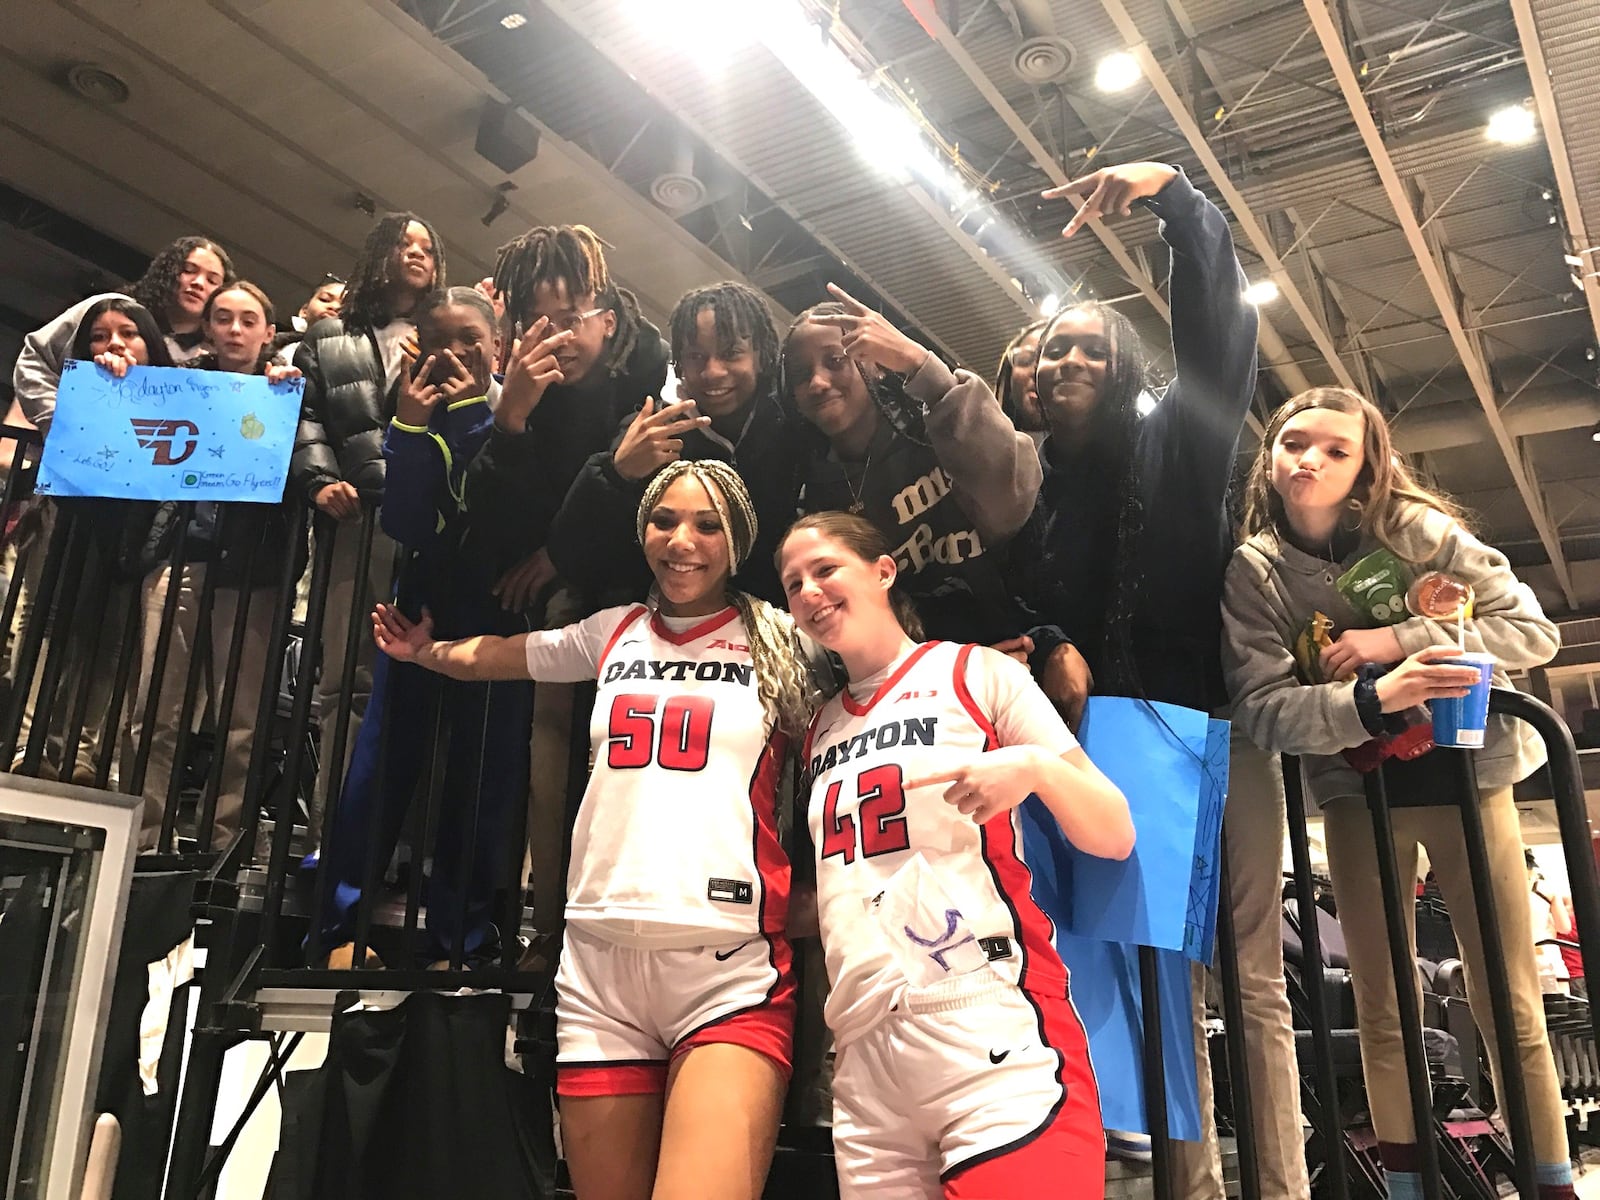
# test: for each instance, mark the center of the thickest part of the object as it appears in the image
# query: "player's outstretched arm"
(470, 658)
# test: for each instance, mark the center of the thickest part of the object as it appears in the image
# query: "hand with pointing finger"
(991, 784)
(868, 336)
(655, 438)
(1112, 191)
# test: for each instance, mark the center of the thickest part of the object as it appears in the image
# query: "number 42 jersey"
(676, 840)
(940, 708)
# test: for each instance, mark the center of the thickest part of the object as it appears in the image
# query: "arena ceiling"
(1447, 274)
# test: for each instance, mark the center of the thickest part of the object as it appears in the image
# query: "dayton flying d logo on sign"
(161, 436)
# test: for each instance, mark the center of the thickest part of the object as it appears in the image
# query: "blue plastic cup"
(1459, 722)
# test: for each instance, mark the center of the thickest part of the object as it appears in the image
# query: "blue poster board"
(1172, 765)
(169, 433)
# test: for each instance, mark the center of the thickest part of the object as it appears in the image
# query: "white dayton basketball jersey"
(865, 825)
(676, 843)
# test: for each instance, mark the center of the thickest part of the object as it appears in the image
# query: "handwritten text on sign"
(169, 433)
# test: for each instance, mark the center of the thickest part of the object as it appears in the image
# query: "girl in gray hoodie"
(1323, 661)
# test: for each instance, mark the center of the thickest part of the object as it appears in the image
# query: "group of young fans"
(831, 548)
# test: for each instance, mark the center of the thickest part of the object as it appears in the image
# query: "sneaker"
(1130, 1147)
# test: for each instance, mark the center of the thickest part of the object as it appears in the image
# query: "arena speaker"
(505, 137)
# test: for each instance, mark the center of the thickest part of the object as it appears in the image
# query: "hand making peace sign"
(868, 336)
(655, 438)
(1112, 190)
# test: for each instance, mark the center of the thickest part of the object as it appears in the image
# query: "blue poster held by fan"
(169, 433)
(1172, 765)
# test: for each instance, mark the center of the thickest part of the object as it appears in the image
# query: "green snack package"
(1376, 588)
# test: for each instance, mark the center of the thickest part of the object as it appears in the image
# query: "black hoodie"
(518, 481)
(594, 541)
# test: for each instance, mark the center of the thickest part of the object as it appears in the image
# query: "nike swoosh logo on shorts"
(725, 955)
(998, 1056)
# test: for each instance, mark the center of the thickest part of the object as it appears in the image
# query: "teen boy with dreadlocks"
(725, 350)
(545, 429)
(1126, 552)
(352, 367)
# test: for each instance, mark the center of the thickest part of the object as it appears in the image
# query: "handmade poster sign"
(169, 433)
(1172, 765)
(1105, 991)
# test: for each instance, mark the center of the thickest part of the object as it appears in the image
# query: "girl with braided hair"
(175, 288)
(725, 349)
(1126, 553)
(582, 357)
(675, 1009)
(922, 452)
(1015, 381)
(352, 366)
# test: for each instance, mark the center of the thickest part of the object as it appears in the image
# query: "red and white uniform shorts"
(624, 1013)
(975, 1090)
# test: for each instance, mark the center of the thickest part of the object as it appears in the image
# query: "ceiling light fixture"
(1117, 72)
(1594, 434)
(1050, 305)
(514, 20)
(1513, 125)
(1263, 291)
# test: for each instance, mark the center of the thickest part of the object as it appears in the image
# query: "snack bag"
(1376, 588)
(1309, 643)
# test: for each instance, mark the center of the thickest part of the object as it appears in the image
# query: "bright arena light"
(1263, 291)
(1050, 305)
(708, 31)
(514, 20)
(1513, 125)
(1117, 72)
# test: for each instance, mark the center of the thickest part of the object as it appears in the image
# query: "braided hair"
(783, 680)
(886, 388)
(572, 255)
(366, 297)
(158, 286)
(1002, 373)
(1116, 428)
(739, 312)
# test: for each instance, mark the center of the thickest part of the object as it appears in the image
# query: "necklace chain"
(856, 505)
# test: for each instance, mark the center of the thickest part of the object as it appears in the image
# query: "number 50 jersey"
(942, 707)
(676, 840)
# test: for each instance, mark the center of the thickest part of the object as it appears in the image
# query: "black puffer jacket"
(344, 413)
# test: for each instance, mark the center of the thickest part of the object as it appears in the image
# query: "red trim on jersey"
(1042, 969)
(1066, 1155)
(710, 625)
(611, 1079)
(772, 864)
(861, 710)
(964, 694)
(622, 627)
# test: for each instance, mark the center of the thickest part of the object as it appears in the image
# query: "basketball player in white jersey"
(675, 998)
(962, 1070)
